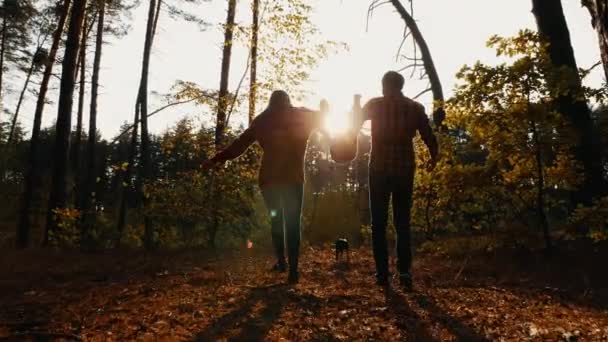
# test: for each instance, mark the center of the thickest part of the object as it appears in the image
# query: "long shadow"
(408, 321)
(254, 327)
(459, 329)
(415, 328)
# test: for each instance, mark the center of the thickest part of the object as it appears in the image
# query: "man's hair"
(279, 100)
(393, 79)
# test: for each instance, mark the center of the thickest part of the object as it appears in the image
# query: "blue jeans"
(284, 203)
(381, 187)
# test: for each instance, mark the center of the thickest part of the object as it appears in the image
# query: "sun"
(337, 123)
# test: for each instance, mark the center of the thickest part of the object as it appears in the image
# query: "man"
(395, 120)
(282, 131)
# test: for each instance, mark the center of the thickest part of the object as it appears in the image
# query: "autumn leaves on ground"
(191, 296)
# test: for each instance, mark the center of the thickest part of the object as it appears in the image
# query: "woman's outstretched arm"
(234, 150)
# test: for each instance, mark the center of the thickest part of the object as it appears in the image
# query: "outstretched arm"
(317, 117)
(238, 147)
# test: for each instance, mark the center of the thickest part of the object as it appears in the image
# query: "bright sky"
(456, 32)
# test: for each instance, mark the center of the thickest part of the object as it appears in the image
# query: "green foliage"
(68, 234)
(289, 47)
(185, 203)
(593, 219)
(506, 147)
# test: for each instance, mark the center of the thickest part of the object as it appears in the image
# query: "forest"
(130, 236)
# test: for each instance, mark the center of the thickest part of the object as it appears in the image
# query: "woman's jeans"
(284, 203)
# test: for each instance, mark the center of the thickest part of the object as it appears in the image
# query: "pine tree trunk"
(126, 193)
(145, 171)
(225, 74)
(127, 180)
(32, 178)
(58, 197)
(152, 24)
(91, 175)
(427, 60)
(599, 18)
(552, 26)
(254, 60)
(2, 48)
(11, 134)
(76, 150)
(540, 187)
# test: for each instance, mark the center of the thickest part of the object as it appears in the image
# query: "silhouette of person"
(282, 131)
(394, 120)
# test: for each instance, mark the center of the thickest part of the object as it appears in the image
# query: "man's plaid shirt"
(395, 121)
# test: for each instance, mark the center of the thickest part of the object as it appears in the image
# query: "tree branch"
(115, 140)
(586, 72)
(422, 93)
(375, 4)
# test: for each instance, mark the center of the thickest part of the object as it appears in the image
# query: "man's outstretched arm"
(364, 113)
(426, 132)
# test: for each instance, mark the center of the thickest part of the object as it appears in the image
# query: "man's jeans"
(381, 187)
(284, 203)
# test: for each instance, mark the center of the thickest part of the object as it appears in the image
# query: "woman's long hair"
(279, 101)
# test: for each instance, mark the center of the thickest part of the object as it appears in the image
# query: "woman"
(282, 131)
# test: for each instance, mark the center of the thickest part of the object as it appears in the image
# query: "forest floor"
(193, 296)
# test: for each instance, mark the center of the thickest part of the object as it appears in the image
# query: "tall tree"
(599, 19)
(91, 176)
(58, 196)
(141, 117)
(254, 59)
(16, 29)
(2, 48)
(427, 60)
(33, 175)
(142, 105)
(76, 150)
(223, 100)
(552, 27)
(128, 176)
(37, 60)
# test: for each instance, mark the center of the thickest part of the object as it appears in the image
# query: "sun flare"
(337, 124)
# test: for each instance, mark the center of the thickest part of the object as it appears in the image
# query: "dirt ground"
(195, 296)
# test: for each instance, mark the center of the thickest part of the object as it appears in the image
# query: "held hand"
(324, 107)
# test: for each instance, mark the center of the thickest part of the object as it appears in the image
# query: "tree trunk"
(58, 196)
(32, 178)
(223, 94)
(2, 48)
(91, 175)
(599, 19)
(427, 60)
(222, 107)
(78, 138)
(552, 26)
(540, 187)
(254, 60)
(140, 107)
(20, 101)
(143, 105)
(127, 180)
